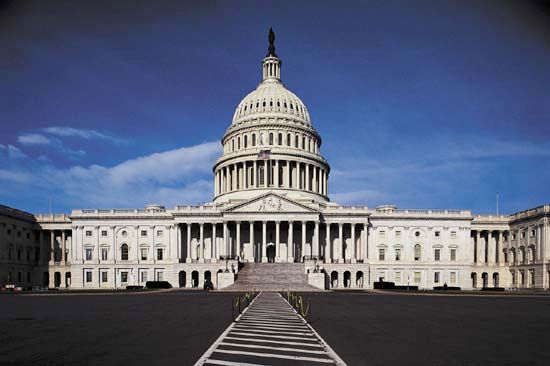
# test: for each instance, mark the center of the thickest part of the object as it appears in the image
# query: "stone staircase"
(272, 277)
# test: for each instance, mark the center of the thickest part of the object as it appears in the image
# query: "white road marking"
(273, 336)
(275, 355)
(275, 342)
(230, 363)
(288, 349)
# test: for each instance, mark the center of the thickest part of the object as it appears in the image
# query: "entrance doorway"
(270, 253)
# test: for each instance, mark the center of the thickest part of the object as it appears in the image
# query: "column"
(492, 248)
(328, 245)
(225, 237)
(316, 240)
(113, 243)
(499, 248)
(201, 242)
(353, 256)
(478, 258)
(245, 174)
(288, 174)
(265, 173)
(214, 246)
(264, 241)
(64, 248)
(251, 231)
(304, 238)
(341, 237)
(308, 182)
(298, 176)
(188, 245)
(216, 184)
(487, 248)
(366, 244)
(239, 250)
(277, 241)
(315, 183)
(42, 249)
(52, 247)
(290, 242)
(255, 175)
(276, 172)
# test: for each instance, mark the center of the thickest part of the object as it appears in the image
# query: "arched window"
(253, 139)
(296, 142)
(303, 142)
(532, 253)
(232, 145)
(280, 139)
(271, 138)
(124, 252)
(288, 140)
(245, 141)
(238, 142)
(417, 251)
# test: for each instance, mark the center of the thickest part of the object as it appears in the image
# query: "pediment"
(271, 203)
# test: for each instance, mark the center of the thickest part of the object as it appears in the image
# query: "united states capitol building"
(271, 205)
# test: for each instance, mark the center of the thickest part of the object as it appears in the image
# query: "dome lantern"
(271, 64)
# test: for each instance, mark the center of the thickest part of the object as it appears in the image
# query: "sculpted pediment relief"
(271, 203)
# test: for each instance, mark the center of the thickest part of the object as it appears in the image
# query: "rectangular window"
(436, 277)
(532, 232)
(437, 233)
(523, 234)
(124, 277)
(88, 254)
(398, 233)
(160, 276)
(453, 278)
(397, 277)
(143, 232)
(437, 254)
(397, 254)
(104, 276)
(514, 279)
(88, 276)
(532, 277)
(28, 277)
(88, 232)
(160, 254)
(143, 254)
(453, 254)
(381, 254)
(104, 254)
(382, 232)
(159, 232)
(453, 234)
(417, 277)
(143, 276)
(104, 233)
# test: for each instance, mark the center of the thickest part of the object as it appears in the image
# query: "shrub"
(492, 289)
(382, 285)
(446, 288)
(134, 287)
(158, 284)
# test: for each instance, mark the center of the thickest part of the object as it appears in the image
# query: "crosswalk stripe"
(230, 363)
(298, 350)
(274, 342)
(273, 336)
(275, 355)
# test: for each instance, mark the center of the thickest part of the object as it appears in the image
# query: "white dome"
(272, 99)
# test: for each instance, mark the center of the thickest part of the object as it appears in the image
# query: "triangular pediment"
(270, 203)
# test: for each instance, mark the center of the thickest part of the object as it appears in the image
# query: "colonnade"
(51, 252)
(272, 173)
(336, 242)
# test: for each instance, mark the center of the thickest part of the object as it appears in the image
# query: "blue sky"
(421, 104)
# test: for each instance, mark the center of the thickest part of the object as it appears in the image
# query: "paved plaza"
(179, 327)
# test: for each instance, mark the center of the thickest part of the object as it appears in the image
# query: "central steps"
(272, 277)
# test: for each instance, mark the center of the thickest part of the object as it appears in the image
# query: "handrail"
(299, 304)
(237, 305)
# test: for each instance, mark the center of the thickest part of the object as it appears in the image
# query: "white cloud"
(11, 152)
(179, 176)
(33, 139)
(62, 131)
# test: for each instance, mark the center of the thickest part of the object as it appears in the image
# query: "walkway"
(269, 332)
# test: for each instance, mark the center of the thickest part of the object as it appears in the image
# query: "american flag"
(264, 154)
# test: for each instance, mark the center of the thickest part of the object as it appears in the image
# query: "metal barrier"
(240, 303)
(302, 307)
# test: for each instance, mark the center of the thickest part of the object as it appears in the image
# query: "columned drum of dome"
(271, 145)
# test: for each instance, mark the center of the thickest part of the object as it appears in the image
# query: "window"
(124, 233)
(280, 139)
(160, 253)
(514, 278)
(514, 236)
(417, 251)
(523, 234)
(124, 277)
(143, 276)
(28, 277)
(143, 232)
(436, 277)
(437, 233)
(104, 254)
(398, 233)
(296, 141)
(104, 233)
(104, 276)
(88, 233)
(253, 139)
(18, 254)
(88, 276)
(437, 254)
(417, 277)
(382, 232)
(245, 141)
(381, 254)
(288, 140)
(271, 138)
(143, 254)
(238, 142)
(532, 277)
(159, 232)
(453, 254)
(453, 234)
(124, 252)
(160, 276)
(417, 234)
(397, 277)
(532, 232)
(398, 254)
(88, 254)
(453, 278)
